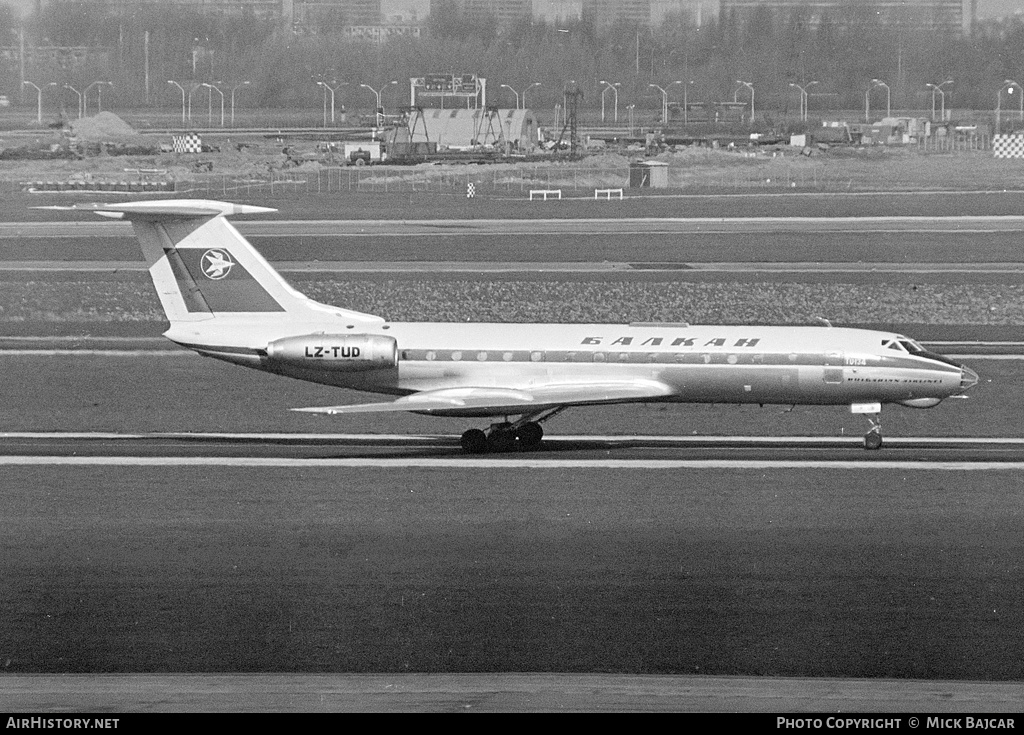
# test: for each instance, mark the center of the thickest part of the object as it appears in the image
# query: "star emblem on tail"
(216, 264)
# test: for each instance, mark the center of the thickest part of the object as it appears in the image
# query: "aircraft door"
(833, 371)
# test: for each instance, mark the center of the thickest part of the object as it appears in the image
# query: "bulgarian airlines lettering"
(677, 342)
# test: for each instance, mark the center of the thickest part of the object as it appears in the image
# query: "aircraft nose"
(968, 378)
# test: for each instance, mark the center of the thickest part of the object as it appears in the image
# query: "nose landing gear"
(873, 439)
(870, 411)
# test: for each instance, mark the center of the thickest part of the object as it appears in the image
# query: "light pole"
(328, 88)
(803, 98)
(213, 88)
(99, 94)
(68, 86)
(171, 81)
(380, 107)
(686, 102)
(233, 89)
(39, 101)
(505, 86)
(750, 86)
(615, 89)
(888, 99)
(938, 88)
(535, 84)
(678, 81)
(664, 103)
(1009, 86)
(54, 84)
(630, 108)
(192, 88)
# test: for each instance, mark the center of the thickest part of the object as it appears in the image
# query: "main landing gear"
(522, 435)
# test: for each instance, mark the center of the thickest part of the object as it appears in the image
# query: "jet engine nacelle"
(341, 352)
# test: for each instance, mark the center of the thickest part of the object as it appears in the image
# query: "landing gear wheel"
(501, 439)
(873, 439)
(474, 441)
(529, 435)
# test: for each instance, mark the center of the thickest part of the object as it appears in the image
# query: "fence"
(958, 142)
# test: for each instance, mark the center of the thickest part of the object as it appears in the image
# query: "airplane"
(225, 301)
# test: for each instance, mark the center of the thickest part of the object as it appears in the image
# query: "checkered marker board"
(1008, 146)
(188, 143)
(470, 191)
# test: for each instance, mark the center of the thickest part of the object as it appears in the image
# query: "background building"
(959, 15)
(501, 12)
(309, 13)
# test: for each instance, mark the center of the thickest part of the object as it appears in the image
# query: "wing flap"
(510, 400)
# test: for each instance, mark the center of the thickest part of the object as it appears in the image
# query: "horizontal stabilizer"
(165, 209)
(510, 401)
(204, 269)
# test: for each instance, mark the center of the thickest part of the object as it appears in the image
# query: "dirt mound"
(106, 127)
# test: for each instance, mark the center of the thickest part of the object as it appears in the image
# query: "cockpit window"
(903, 344)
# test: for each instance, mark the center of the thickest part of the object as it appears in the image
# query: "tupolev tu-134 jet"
(224, 300)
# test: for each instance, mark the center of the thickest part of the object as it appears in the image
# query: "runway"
(908, 571)
(224, 449)
(904, 240)
(630, 226)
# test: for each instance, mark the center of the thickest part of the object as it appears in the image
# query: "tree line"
(770, 50)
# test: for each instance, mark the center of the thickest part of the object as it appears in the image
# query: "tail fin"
(202, 267)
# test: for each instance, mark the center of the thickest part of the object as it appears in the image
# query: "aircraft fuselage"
(717, 364)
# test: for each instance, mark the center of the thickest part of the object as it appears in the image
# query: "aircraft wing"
(511, 400)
